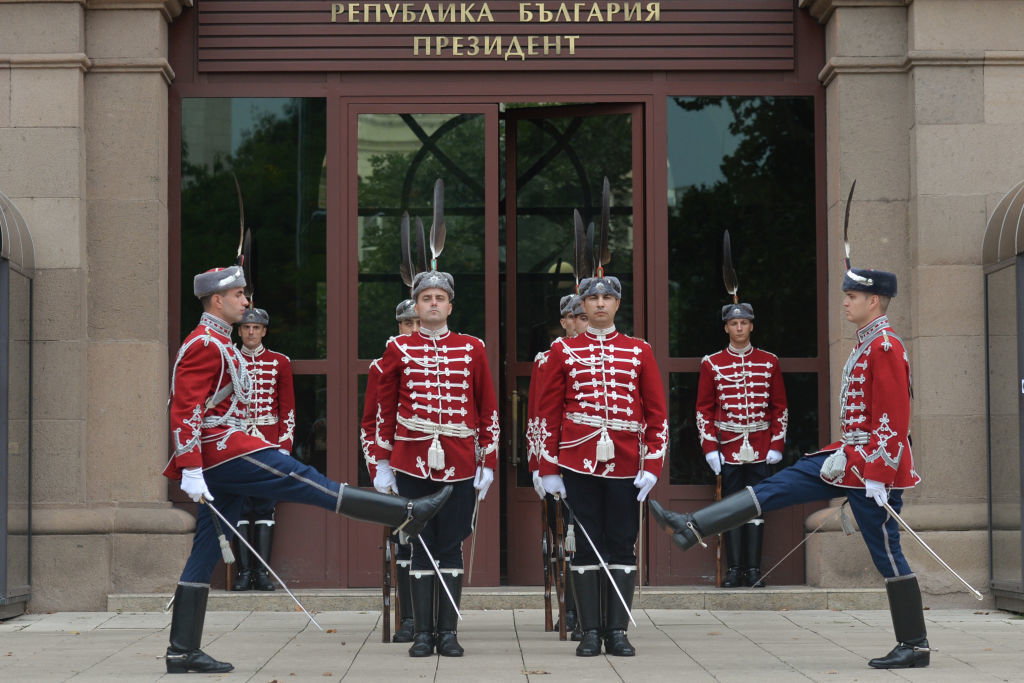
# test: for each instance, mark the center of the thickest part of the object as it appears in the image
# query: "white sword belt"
(263, 420)
(857, 437)
(224, 421)
(609, 422)
(432, 429)
(742, 430)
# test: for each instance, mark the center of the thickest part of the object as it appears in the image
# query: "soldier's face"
(568, 323)
(739, 330)
(601, 309)
(252, 334)
(230, 305)
(581, 321)
(859, 307)
(408, 325)
(433, 308)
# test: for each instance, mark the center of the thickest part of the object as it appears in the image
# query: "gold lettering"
(595, 10)
(485, 12)
(474, 45)
(525, 14)
(514, 48)
(427, 12)
(417, 41)
(492, 45)
(336, 9)
(653, 11)
(572, 43)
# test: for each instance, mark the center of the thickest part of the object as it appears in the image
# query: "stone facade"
(924, 109)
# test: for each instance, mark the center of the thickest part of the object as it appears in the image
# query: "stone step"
(528, 597)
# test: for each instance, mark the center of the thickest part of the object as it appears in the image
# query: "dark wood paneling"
(704, 35)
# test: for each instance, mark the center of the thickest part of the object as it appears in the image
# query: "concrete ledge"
(527, 597)
(69, 521)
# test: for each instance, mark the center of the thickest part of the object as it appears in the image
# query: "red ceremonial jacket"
(532, 401)
(875, 411)
(272, 408)
(436, 386)
(371, 418)
(601, 384)
(741, 395)
(210, 394)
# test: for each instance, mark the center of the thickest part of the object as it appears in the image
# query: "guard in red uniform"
(437, 423)
(741, 423)
(271, 415)
(602, 430)
(217, 459)
(574, 322)
(870, 464)
(408, 322)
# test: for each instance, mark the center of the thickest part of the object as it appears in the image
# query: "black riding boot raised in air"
(408, 515)
(911, 651)
(261, 580)
(447, 619)
(615, 641)
(422, 591)
(733, 542)
(243, 558)
(187, 618)
(689, 529)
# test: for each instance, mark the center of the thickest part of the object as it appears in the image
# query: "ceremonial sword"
(920, 540)
(600, 559)
(440, 577)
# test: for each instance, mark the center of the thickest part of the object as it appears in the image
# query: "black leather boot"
(422, 592)
(447, 619)
(733, 542)
(405, 514)
(615, 641)
(688, 529)
(912, 651)
(588, 609)
(261, 580)
(753, 540)
(243, 558)
(403, 634)
(187, 620)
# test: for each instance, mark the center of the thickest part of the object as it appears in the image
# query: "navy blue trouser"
(800, 483)
(257, 508)
(608, 510)
(446, 530)
(264, 474)
(738, 477)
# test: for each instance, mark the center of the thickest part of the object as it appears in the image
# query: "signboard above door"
(499, 35)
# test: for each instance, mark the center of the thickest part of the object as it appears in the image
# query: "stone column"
(83, 129)
(923, 108)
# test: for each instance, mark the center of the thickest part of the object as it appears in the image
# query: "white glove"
(194, 485)
(538, 484)
(644, 481)
(876, 489)
(483, 479)
(774, 457)
(384, 480)
(834, 465)
(714, 459)
(554, 485)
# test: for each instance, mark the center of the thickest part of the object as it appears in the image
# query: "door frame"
(521, 504)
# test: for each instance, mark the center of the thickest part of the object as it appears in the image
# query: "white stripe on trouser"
(888, 550)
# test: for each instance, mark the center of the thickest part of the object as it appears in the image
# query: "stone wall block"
(58, 447)
(58, 380)
(949, 374)
(956, 25)
(968, 159)
(949, 230)
(127, 421)
(949, 304)
(950, 455)
(59, 304)
(127, 146)
(42, 27)
(874, 121)
(1003, 97)
(949, 94)
(70, 573)
(5, 97)
(870, 32)
(127, 34)
(46, 97)
(127, 246)
(148, 563)
(57, 225)
(41, 162)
